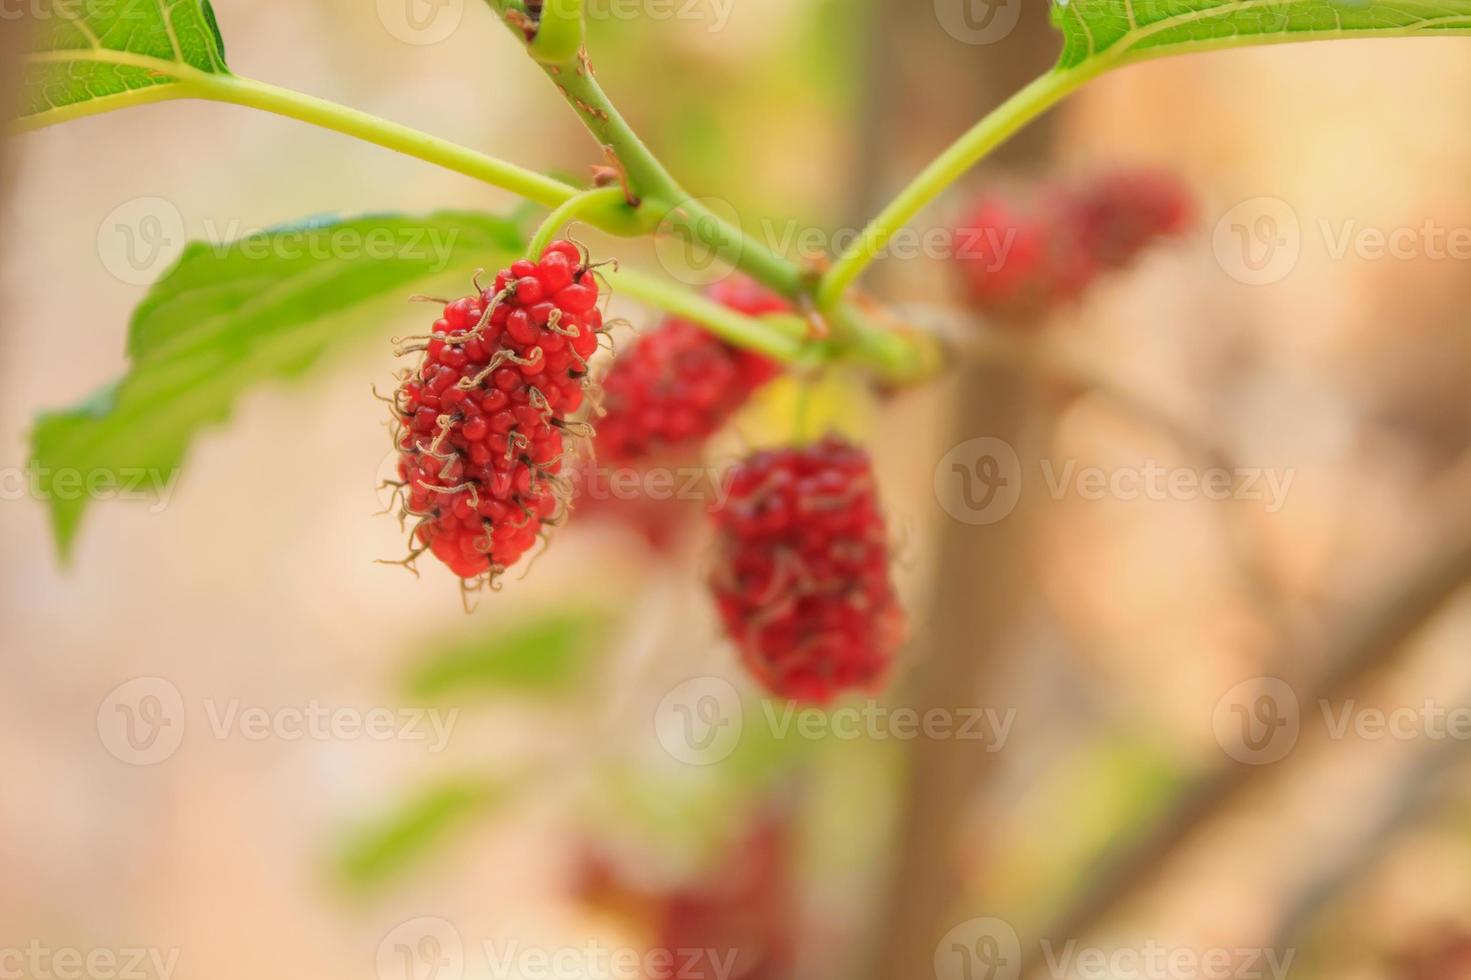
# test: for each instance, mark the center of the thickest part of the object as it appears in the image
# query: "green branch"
(658, 203)
(947, 168)
(669, 207)
(605, 203)
(351, 122)
(781, 339)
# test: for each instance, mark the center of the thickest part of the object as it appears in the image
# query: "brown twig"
(1375, 643)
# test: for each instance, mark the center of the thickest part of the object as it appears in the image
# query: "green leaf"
(543, 654)
(385, 849)
(1108, 32)
(230, 316)
(93, 55)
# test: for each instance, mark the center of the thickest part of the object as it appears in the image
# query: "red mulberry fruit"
(1014, 265)
(483, 418)
(802, 577)
(1021, 265)
(1117, 216)
(679, 384)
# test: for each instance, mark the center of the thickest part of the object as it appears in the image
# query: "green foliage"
(231, 316)
(121, 51)
(1110, 31)
(543, 654)
(380, 852)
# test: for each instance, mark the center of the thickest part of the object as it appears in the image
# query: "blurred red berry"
(1117, 216)
(802, 577)
(679, 384)
(1003, 260)
(736, 921)
(1019, 265)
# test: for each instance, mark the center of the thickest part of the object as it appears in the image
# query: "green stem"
(896, 357)
(669, 206)
(780, 339)
(236, 90)
(559, 32)
(946, 169)
(579, 206)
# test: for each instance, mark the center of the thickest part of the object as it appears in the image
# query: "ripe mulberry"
(481, 422)
(1116, 216)
(679, 384)
(802, 576)
(1014, 265)
(1021, 264)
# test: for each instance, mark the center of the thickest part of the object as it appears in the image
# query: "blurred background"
(1193, 734)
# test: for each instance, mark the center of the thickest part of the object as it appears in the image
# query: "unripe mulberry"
(802, 576)
(679, 384)
(482, 421)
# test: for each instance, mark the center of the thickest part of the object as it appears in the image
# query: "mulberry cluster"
(802, 577)
(482, 420)
(1021, 263)
(679, 384)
